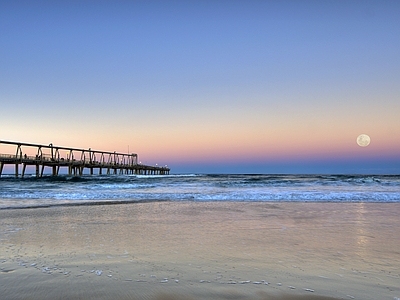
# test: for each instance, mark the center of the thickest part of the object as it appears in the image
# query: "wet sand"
(229, 250)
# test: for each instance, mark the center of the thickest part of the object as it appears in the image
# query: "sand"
(191, 250)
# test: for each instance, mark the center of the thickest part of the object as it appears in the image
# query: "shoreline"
(202, 250)
(143, 201)
(89, 203)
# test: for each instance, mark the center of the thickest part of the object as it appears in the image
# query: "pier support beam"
(1, 168)
(23, 170)
(16, 170)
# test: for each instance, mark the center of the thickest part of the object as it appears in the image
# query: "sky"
(207, 86)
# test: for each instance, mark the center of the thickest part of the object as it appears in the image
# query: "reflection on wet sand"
(168, 250)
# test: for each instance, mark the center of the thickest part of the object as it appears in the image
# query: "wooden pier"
(76, 160)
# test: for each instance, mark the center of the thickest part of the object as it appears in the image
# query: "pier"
(75, 159)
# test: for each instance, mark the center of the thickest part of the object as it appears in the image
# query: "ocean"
(47, 191)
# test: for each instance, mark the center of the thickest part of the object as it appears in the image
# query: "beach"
(201, 250)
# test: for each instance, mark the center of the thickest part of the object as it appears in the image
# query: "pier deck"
(75, 159)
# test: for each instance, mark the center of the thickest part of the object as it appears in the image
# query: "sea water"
(97, 189)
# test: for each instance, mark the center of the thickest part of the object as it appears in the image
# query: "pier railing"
(76, 159)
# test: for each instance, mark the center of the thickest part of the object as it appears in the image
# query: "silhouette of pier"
(75, 159)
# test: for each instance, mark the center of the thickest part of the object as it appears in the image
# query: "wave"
(49, 190)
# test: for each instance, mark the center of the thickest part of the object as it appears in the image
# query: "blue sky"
(207, 86)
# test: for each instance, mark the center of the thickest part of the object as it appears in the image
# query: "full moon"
(363, 140)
